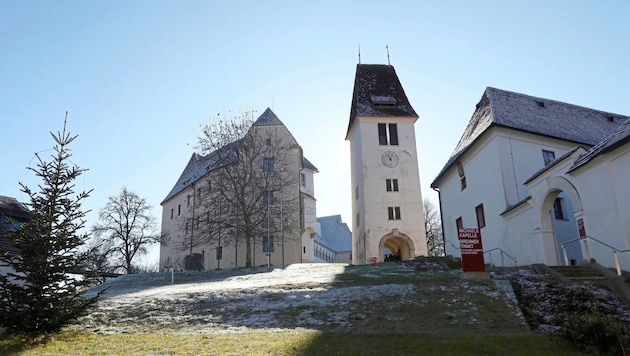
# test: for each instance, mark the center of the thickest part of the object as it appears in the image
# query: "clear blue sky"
(139, 77)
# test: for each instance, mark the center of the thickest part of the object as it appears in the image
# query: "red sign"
(581, 229)
(472, 250)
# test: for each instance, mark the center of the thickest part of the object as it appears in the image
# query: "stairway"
(596, 274)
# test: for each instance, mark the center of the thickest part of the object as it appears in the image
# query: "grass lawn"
(297, 342)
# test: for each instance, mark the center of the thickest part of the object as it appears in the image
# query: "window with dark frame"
(268, 164)
(393, 213)
(459, 223)
(268, 197)
(179, 209)
(481, 217)
(391, 185)
(358, 221)
(268, 142)
(557, 208)
(462, 176)
(548, 156)
(267, 243)
(393, 134)
(171, 213)
(387, 134)
(303, 179)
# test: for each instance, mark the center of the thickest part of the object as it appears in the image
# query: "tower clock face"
(390, 159)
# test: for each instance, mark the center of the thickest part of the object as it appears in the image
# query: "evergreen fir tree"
(40, 296)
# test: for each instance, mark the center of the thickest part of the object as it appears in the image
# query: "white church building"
(387, 208)
(544, 181)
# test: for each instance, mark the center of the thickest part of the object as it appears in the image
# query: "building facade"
(513, 175)
(386, 197)
(275, 217)
(333, 242)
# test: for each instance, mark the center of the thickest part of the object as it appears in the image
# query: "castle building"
(274, 221)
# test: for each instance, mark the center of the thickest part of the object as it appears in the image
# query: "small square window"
(393, 213)
(548, 156)
(268, 197)
(391, 185)
(268, 142)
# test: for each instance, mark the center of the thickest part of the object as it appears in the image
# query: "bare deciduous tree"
(250, 192)
(126, 229)
(433, 227)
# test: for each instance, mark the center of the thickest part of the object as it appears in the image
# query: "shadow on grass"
(437, 344)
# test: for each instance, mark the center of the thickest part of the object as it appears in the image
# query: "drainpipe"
(441, 218)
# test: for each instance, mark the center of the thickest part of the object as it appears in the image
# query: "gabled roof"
(199, 165)
(334, 234)
(268, 118)
(539, 116)
(378, 92)
(554, 163)
(618, 138)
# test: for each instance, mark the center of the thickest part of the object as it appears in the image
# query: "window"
(391, 185)
(179, 209)
(303, 179)
(459, 223)
(268, 197)
(268, 142)
(268, 164)
(388, 134)
(171, 213)
(548, 156)
(356, 193)
(188, 200)
(358, 222)
(393, 213)
(199, 192)
(481, 217)
(267, 244)
(462, 176)
(186, 227)
(557, 208)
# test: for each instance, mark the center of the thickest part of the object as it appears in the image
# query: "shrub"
(596, 331)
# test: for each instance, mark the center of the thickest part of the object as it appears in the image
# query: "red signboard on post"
(472, 250)
(581, 229)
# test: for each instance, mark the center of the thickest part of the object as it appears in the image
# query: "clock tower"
(387, 208)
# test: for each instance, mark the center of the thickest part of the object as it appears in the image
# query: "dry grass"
(292, 343)
(368, 310)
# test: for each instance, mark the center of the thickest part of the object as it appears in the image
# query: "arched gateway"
(398, 244)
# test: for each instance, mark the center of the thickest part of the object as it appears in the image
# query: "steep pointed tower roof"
(378, 92)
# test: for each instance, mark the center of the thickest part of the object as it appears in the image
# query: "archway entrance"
(559, 208)
(397, 245)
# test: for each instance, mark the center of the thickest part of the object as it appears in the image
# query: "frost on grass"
(548, 304)
(386, 297)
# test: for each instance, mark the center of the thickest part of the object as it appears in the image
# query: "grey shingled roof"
(618, 138)
(334, 234)
(535, 115)
(268, 118)
(199, 165)
(378, 83)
